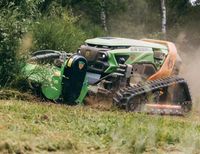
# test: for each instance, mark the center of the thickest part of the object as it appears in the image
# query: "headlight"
(79, 51)
(103, 56)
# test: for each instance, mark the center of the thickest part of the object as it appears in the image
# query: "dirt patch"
(99, 102)
(7, 94)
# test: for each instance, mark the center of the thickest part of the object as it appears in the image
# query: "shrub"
(11, 30)
(57, 32)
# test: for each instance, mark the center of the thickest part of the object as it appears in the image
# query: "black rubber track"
(125, 95)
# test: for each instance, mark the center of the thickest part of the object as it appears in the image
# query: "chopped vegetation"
(45, 127)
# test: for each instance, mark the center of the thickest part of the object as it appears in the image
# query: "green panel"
(52, 89)
(31, 71)
(134, 57)
(112, 63)
(139, 57)
(51, 79)
(49, 76)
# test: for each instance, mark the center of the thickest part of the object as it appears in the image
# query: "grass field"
(30, 127)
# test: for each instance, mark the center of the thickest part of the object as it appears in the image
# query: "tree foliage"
(59, 34)
(11, 30)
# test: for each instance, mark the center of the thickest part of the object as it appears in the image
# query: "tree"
(103, 16)
(98, 11)
(163, 17)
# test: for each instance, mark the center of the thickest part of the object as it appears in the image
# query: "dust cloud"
(190, 69)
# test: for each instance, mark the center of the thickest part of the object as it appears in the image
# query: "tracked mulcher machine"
(139, 75)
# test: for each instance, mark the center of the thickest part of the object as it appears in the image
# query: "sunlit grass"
(44, 127)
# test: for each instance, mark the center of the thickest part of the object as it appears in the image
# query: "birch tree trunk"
(164, 17)
(103, 16)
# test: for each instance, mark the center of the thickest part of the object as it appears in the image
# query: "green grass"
(43, 127)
